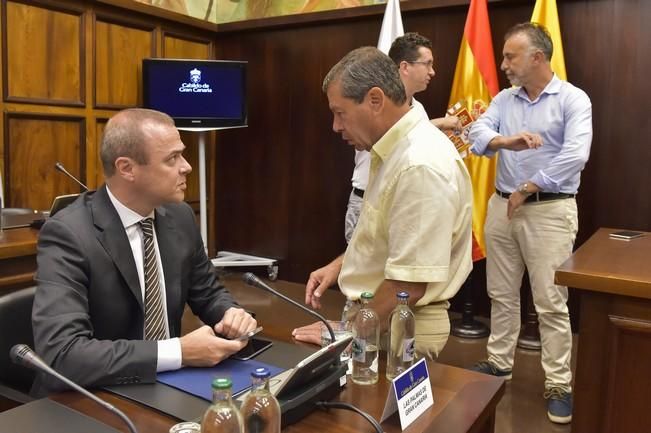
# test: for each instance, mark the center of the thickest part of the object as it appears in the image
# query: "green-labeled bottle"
(222, 416)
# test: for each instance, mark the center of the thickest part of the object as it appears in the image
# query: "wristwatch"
(522, 189)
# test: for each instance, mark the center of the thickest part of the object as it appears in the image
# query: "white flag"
(391, 26)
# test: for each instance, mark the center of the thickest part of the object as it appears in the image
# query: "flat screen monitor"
(197, 93)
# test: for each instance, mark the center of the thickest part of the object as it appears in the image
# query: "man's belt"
(538, 196)
(358, 192)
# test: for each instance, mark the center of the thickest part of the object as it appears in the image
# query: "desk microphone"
(23, 355)
(63, 170)
(254, 281)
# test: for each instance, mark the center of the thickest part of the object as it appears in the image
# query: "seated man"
(414, 231)
(116, 267)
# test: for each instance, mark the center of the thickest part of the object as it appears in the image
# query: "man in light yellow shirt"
(414, 231)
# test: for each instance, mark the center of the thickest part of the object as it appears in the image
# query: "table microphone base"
(300, 403)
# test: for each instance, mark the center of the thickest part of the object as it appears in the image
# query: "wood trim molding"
(359, 12)
(148, 10)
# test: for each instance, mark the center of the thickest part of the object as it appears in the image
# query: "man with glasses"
(542, 130)
(413, 55)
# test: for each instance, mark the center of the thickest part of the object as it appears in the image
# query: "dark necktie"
(154, 319)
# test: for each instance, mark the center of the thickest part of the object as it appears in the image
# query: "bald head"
(126, 135)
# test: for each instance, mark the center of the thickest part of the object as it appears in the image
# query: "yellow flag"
(546, 13)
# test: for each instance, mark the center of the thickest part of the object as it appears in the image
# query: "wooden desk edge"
(577, 275)
(18, 242)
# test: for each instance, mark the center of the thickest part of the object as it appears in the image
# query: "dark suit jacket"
(88, 314)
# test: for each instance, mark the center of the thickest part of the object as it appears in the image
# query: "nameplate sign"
(410, 394)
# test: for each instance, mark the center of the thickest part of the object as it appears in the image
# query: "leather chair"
(15, 328)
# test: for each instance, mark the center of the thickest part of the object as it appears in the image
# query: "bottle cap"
(260, 373)
(222, 383)
(403, 295)
(367, 295)
(186, 427)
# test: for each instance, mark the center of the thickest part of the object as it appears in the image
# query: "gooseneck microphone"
(254, 281)
(63, 170)
(23, 355)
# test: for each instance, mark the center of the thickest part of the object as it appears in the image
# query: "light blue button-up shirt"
(561, 115)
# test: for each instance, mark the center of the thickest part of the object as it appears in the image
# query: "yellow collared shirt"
(415, 223)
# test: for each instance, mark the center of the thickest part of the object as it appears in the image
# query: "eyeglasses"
(428, 64)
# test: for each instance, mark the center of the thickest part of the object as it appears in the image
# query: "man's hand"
(236, 322)
(516, 200)
(521, 141)
(448, 123)
(319, 282)
(202, 348)
(309, 333)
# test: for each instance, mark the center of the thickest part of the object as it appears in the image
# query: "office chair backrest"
(15, 328)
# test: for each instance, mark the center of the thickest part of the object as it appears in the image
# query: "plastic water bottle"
(366, 340)
(260, 410)
(402, 325)
(222, 416)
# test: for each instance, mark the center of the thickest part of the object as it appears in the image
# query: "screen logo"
(195, 85)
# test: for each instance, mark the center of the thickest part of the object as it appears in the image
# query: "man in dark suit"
(112, 284)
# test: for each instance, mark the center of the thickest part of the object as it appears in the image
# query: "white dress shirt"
(169, 350)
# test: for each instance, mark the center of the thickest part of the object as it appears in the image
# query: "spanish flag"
(546, 13)
(474, 85)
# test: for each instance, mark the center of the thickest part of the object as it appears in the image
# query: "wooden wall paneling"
(44, 54)
(100, 124)
(119, 50)
(33, 143)
(322, 163)
(612, 66)
(291, 170)
(629, 374)
(252, 167)
(183, 46)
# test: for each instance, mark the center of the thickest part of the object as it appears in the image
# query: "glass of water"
(341, 330)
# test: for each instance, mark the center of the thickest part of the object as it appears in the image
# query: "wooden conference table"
(464, 401)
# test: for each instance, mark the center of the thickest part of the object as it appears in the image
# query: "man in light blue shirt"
(542, 130)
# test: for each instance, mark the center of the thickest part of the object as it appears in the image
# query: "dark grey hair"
(365, 68)
(124, 135)
(538, 35)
